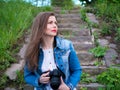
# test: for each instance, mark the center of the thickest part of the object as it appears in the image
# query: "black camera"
(55, 79)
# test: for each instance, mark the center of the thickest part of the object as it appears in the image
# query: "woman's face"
(52, 27)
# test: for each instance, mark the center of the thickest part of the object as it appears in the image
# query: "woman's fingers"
(61, 80)
(45, 74)
(44, 78)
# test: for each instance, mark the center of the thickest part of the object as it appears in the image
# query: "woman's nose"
(54, 25)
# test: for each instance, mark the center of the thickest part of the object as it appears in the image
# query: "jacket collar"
(58, 41)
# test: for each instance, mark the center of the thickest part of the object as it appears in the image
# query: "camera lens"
(55, 79)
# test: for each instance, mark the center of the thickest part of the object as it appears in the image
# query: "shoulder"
(63, 43)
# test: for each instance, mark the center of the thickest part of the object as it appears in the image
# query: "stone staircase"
(73, 28)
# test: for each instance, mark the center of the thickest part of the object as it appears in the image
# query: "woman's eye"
(56, 23)
(50, 22)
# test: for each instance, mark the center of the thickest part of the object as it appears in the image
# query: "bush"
(98, 51)
(62, 3)
(108, 10)
(16, 17)
(110, 78)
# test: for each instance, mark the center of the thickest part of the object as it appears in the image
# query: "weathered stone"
(91, 86)
(66, 11)
(83, 46)
(67, 16)
(11, 72)
(27, 39)
(92, 18)
(110, 57)
(70, 25)
(103, 42)
(8, 88)
(93, 70)
(108, 37)
(113, 46)
(117, 61)
(81, 39)
(28, 87)
(86, 58)
(22, 51)
(68, 20)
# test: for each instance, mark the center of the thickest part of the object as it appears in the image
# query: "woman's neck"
(48, 42)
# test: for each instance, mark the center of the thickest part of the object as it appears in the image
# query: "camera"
(55, 80)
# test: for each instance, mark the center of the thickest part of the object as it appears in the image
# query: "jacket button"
(58, 57)
(61, 65)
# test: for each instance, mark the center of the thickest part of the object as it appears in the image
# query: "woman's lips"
(54, 30)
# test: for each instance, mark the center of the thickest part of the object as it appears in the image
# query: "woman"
(47, 52)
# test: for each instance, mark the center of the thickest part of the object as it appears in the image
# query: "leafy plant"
(20, 79)
(83, 88)
(3, 80)
(117, 38)
(110, 78)
(16, 18)
(83, 14)
(98, 63)
(105, 29)
(85, 78)
(98, 51)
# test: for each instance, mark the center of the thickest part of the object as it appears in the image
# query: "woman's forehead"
(52, 18)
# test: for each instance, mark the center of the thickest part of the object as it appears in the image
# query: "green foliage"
(98, 63)
(118, 35)
(85, 78)
(108, 10)
(20, 79)
(16, 17)
(62, 3)
(98, 51)
(3, 80)
(105, 29)
(110, 78)
(83, 14)
(83, 88)
(87, 2)
(96, 36)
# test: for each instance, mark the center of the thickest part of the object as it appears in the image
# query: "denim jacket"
(66, 60)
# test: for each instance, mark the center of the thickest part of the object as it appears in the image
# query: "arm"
(75, 69)
(31, 77)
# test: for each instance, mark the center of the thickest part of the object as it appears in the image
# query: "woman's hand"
(63, 86)
(44, 78)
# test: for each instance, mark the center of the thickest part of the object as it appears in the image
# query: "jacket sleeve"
(31, 77)
(75, 68)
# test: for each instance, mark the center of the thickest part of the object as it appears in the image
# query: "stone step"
(60, 8)
(83, 46)
(70, 25)
(81, 27)
(66, 11)
(81, 40)
(72, 33)
(68, 20)
(68, 15)
(86, 58)
(91, 86)
(93, 70)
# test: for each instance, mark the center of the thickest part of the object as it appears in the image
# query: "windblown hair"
(37, 32)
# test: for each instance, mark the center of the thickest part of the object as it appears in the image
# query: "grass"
(16, 18)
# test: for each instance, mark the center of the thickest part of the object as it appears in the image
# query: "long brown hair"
(38, 29)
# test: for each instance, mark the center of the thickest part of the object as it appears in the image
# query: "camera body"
(55, 80)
